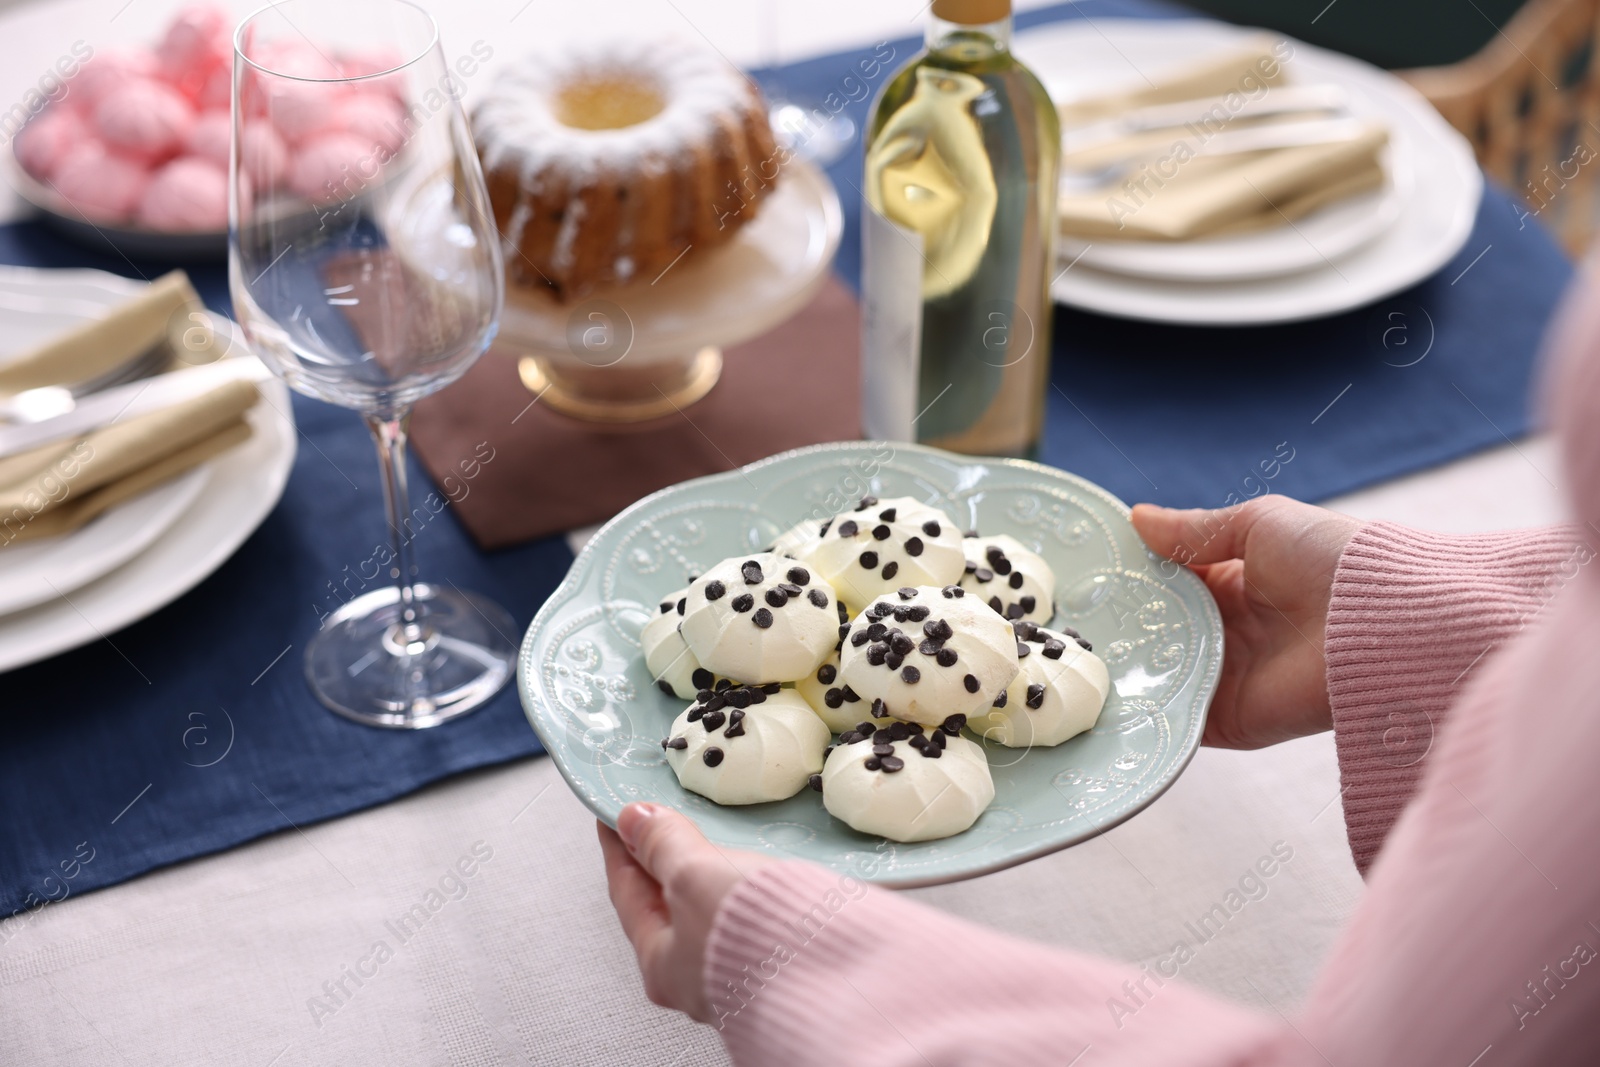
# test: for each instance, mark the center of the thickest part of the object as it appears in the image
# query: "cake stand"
(639, 351)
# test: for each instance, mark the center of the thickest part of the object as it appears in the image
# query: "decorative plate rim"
(1207, 673)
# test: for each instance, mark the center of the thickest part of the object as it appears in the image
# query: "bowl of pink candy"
(135, 148)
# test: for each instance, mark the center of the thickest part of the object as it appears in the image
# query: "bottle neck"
(941, 34)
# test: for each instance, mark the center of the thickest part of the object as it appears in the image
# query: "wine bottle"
(958, 238)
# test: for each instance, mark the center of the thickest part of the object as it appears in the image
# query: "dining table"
(240, 955)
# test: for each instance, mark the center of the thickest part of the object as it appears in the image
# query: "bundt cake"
(606, 163)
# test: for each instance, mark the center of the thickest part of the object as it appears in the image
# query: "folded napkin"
(1178, 184)
(1172, 198)
(167, 313)
(58, 487)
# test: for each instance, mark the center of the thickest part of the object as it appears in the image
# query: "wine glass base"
(364, 665)
(621, 393)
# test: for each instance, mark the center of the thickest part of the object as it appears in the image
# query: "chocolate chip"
(1035, 696)
(789, 588)
(893, 661)
(827, 673)
(1087, 647)
(859, 638)
(983, 574)
(881, 736)
(919, 740)
(1022, 650)
(715, 589)
(822, 531)
(799, 576)
(929, 647)
(931, 528)
(881, 532)
(818, 597)
(833, 698)
(682, 603)
(735, 717)
(715, 701)
(848, 528)
(866, 728)
(742, 602)
(872, 763)
(713, 720)
(712, 755)
(876, 655)
(1016, 579)
(938, 739)
(938, 629)
(913, 546)
(971, 682)
(850, 695)
(758, 696)
(702, 678)
(733, 730)
(723, 683)
(877, 630)
(887, 514)
(869, 560)
(772, 687)
(883, 750)
(879, 710)
(739, 698)
(1053, 649)
(879, 610)
(679, 743)
(752, 572)
(762, 618)
(849, 737)
(945, 657)
(899, 731)
(844, 616)
(695, 713)
(1028, 603)
(816, 782)
(933, 751)
(994, 602)
(890, 569)
(892, 764)
(665, 686)
(916, 613)
(776, 598)
(1000, 701)
(666, 606)
(867, 502)
(910, 675)
(970, 567)
(1014, 612)
(902, 614)
(906, 592)
(957, 592)
(953, 724)
(901, 643)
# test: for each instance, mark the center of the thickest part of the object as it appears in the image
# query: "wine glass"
(365, 269)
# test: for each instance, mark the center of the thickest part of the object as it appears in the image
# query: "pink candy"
(46, 141)
(102, 186)
(209, 138)
(107, 72)
(145, 119)
(263, 155)
(335, 166)
(186, 194)
(378, 119)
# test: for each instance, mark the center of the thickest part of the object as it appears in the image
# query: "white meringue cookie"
(672, 666)
(928, 653)
(1057, 694)
(767, 750)
(760, 618)
(886, 786)
(1009, 577)
(834, 702)
(884, 545)
(799, 537)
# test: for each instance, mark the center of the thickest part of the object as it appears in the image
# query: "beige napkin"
(1210, 196)
(58, 487)
(167, 313)
(1227, 72)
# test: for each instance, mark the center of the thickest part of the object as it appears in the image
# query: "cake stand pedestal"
(643, 350)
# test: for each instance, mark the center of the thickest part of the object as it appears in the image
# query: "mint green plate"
(586, 690)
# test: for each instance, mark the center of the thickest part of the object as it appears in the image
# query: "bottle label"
(891, 326)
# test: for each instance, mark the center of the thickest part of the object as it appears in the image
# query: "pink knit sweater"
(1464, 674)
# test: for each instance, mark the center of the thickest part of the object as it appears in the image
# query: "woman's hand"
(1269, 563)
(667, 882)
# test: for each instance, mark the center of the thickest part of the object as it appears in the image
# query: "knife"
(121, 402)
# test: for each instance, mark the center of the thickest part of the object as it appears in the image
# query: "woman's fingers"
(1200, 535)
(661, 840)
(635, 895)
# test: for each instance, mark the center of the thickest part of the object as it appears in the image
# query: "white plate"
(244, 485)
(34, 306)
(1433, 222)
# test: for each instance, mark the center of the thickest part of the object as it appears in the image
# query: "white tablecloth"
(217, 962)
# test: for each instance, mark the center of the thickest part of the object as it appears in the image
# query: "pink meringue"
(107, 72)
(144, 119)
(197, 44)
(210, 138)
(263, 155)
(99, 184)
(335, 166)
(186, 194)
(44, 142)
(378, 119)
(217, 92)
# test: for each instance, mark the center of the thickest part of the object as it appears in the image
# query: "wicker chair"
(1529, 102)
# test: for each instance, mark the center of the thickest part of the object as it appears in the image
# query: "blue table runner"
(113, 751)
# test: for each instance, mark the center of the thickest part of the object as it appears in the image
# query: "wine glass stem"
(389, 434)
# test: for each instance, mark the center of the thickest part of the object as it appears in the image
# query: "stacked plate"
(61, 592)
(1343, 256)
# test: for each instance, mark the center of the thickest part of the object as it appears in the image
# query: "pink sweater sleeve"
(1413, 615)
